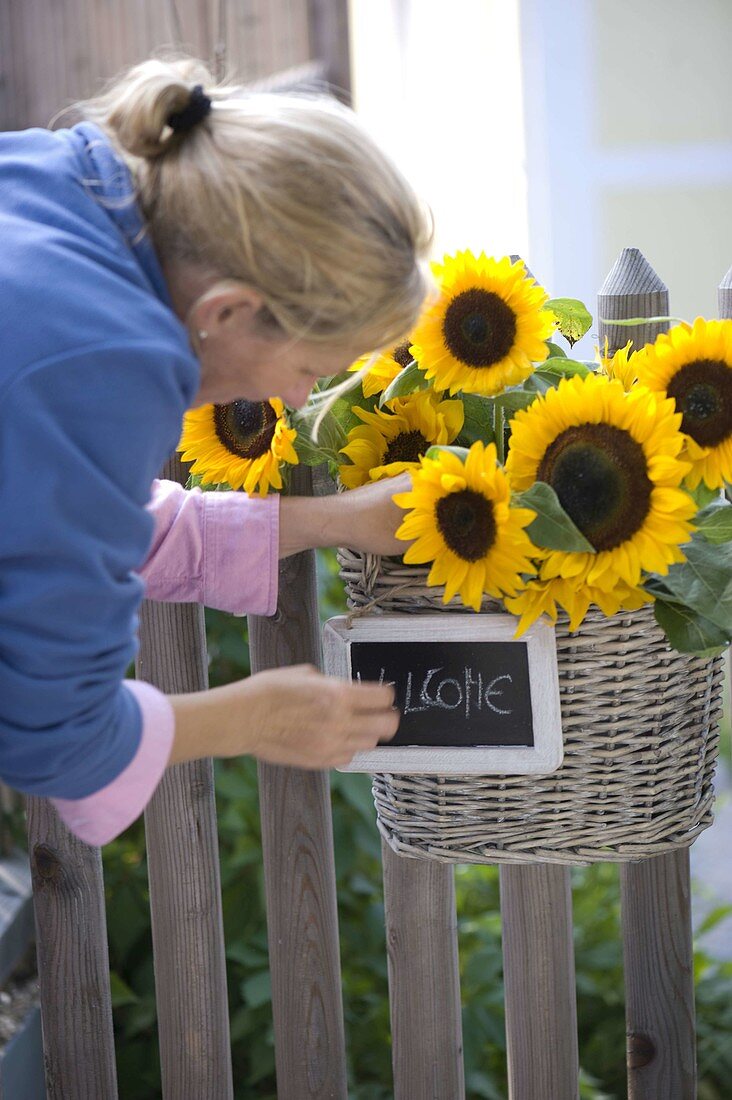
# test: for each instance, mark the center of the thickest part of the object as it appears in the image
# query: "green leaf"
(436, 450)
(718, 914)
(555, 351)
(573, 318)
(564, 367)
(715, 522)
(510, 401)
(478, 422)
(688, 631)
(703, 583)
(257, 990)
(120, 991)
(539, 383)
(703, 495)
(409, 380)
(331, 437)
(640, 320)
(552, 527)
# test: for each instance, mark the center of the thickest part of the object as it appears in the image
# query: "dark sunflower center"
(599, 473)
(401, 355)
(406, 447)
(702, 391)
(245, 427)
(479, 327)
(466, 523)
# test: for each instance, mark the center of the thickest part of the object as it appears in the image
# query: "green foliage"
(478, 422)
(552, 527)
(438, 448)
(562, 367)
(573, 318)
(704, 580)
(363, 950)
(715, 521)
(686, 629)
(409, 380)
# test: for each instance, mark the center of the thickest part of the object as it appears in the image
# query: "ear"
(226, 304)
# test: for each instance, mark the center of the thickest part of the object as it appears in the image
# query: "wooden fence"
(421, 920)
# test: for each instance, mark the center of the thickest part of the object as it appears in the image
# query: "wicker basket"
(641, 738)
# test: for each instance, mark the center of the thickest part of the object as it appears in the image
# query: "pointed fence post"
(655, 893)
(299, 863)
(632, 289)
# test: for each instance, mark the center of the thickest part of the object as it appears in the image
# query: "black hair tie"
(196, 109)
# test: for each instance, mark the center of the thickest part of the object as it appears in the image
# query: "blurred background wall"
(562, 130)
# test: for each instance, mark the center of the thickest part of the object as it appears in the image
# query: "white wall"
(629, 142)
(439, 85)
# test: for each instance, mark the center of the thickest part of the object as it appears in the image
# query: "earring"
(202, 334)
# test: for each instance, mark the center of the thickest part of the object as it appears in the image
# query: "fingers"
(370, 696)
(372, 728)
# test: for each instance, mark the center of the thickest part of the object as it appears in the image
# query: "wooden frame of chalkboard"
(474, 699)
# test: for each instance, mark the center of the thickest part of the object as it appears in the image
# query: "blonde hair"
(284, 192)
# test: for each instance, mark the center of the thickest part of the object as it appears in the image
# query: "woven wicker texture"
(641, 737)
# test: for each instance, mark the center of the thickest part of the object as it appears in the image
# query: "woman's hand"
(364, 519)
(294, 716)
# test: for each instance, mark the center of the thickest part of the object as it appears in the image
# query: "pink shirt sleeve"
(219, 549)
(102, 816)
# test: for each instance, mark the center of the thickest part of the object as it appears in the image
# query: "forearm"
(310, 522)
(364, 519)
(206, 724)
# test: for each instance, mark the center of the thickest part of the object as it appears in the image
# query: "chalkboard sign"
(461, 693)
(472, 698)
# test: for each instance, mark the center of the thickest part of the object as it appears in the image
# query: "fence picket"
(73, 960)
(541, 1003)
(299, 863)
(655, 894)
(424, 978)
(186, 912)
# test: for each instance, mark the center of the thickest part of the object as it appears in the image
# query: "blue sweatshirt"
(96, 372)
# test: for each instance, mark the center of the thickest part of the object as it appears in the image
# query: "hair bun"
(197, 108)
(151, 104)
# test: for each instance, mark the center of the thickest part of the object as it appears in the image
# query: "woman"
(187, 245)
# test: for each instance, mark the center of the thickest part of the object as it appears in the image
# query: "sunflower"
(693, 365)
(463, 523)
(391, 441)
(621, 365)
(542, 597)
(486, 329)
(240, 444)
(613, 460)
(383, 369)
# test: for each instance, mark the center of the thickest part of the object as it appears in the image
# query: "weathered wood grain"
(659, 978)
(328, 26)
(299, 867)
(53, 54)
(183, 868)
(724, 296)
(632, 289)
(73, 960)
(424, 978)
(538, 962)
